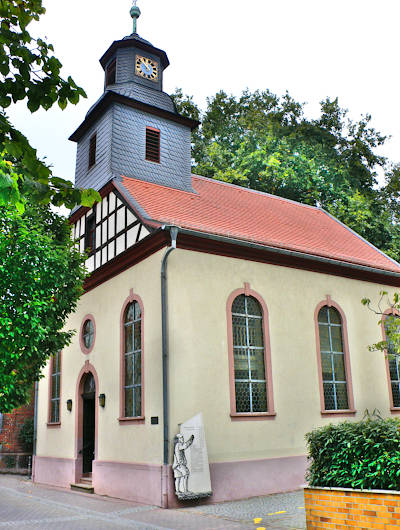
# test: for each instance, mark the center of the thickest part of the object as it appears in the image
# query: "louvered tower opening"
(152, 145)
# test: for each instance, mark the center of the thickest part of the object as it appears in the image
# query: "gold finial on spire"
(135, 14)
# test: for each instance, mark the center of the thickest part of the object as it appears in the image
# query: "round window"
(88, 334)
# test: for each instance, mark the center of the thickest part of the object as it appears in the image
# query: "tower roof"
(110, 97)
(134, 40)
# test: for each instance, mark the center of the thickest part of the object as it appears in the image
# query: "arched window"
(132, 397)
(391, 324)
(333, 360)
(55, 389)
(250, 377)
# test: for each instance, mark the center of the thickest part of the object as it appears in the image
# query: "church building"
(203, 297)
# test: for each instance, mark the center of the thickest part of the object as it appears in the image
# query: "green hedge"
(360, 455)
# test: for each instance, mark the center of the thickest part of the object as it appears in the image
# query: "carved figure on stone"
(179, 466)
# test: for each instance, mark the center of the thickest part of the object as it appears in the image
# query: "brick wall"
(346, 509)
(11, 425)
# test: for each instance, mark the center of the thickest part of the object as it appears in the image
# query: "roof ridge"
(192, 193)
(263, 193)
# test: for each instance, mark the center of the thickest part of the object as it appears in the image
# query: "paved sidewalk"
(24, 505)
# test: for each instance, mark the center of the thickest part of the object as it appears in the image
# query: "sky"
(311, 48)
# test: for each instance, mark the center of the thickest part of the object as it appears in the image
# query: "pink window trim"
(393, 409)
(249, 416)
(85, 350)
(54, 424)
(86, 369)
(123, 420)
(343, 412)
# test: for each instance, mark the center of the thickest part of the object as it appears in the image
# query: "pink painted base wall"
(54, 471)
(251, 478)
(142, 482)
(133, 482)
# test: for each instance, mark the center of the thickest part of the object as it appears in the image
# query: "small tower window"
(152, 144)
(90, 234)
(111, 72)
(92, 151)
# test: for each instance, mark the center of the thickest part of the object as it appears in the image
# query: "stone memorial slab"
(191, 468)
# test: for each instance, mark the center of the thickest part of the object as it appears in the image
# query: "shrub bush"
(10, 461)
(25, 435)
(360, 455)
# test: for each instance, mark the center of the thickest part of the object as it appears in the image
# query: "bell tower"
(135, 64)
(134, 129)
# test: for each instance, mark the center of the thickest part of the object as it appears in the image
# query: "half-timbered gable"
(107, 230)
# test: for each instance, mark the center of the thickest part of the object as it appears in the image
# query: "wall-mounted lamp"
(102, 400)
(69, 405)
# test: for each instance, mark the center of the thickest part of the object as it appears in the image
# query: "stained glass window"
(55, 388)
(133, 360)
(248, 352)
(392, 323)
(332, 359)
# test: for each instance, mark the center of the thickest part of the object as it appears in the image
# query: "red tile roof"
(227, 210)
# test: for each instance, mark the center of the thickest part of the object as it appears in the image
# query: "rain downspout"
(34, 431)
(164, 321)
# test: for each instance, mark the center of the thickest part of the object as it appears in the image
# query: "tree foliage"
(389, 312)
(265, 142)
(29, 71)
(41, 277)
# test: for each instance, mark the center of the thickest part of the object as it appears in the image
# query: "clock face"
(146, 68)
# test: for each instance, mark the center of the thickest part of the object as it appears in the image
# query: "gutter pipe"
(35, 431)
(164, 324)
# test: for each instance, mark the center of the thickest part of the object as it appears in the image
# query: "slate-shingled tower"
(134, 128)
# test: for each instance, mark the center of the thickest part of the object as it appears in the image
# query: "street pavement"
(24, 505)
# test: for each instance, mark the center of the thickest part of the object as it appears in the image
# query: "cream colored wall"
(122, 443)
(199, 285)
(198, 288)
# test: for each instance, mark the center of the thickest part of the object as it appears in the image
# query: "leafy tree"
(266, 142)
(41, 277)
(29, 71)
(391, 345)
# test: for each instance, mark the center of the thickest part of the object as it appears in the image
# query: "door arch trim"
(87, 368)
